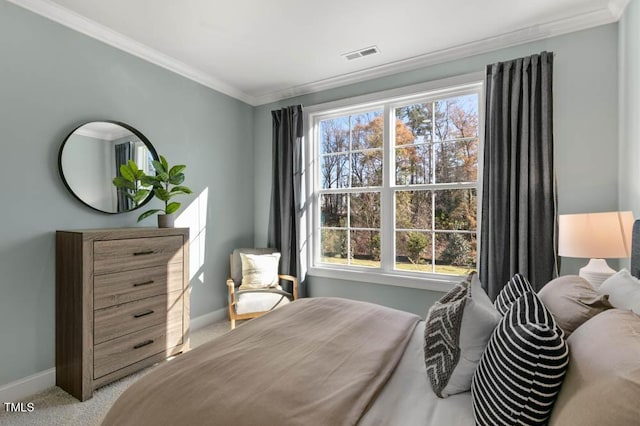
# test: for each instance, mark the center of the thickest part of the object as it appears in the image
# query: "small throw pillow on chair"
(259, 270)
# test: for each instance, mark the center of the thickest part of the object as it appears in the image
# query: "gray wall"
(586, 138)
(53, 78)
(629, 62)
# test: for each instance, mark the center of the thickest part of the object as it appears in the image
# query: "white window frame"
(386, 100)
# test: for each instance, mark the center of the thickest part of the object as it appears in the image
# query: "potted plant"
(165, 185)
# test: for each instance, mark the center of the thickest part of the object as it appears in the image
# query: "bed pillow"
(521, 371)
(623, 290)
(572, 301)
(259, 270)
(602, 382)
(457, 330)
(513, 289)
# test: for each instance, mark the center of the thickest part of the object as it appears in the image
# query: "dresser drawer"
(123, 287)
(128, 254)
(119, 353)
(119, 320)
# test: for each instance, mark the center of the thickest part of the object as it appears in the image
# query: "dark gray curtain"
(123, 155)
(284, 217)
(518, 224)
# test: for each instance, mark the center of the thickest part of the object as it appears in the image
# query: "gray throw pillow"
(457, 330)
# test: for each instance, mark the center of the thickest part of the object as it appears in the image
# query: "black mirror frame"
(133, 130)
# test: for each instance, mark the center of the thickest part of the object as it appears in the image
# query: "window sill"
(442, 283)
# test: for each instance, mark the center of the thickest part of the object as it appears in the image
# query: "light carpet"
(56, 407)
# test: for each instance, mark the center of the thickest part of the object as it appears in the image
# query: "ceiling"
(261, 51)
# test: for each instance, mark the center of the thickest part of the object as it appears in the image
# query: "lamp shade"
(595, 235)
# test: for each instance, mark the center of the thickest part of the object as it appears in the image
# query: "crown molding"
(88, 27)
(617, 8)
(607, 15)
(77, 22)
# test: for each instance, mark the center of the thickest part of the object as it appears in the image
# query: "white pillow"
(259, 270)
(623, 290)
(444, 342)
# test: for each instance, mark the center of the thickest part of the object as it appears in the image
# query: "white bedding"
(407, 398)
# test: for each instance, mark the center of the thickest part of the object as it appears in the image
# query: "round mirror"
(91, 156)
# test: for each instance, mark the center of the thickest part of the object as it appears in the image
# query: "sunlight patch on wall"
(194, 217)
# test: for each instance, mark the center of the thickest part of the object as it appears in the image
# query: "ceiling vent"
(367, 51)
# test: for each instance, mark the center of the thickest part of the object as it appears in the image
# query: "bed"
(330, 361)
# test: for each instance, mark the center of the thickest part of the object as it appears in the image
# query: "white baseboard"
(20, 389)
(210, 318)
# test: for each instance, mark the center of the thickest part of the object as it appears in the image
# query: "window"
(395, 187)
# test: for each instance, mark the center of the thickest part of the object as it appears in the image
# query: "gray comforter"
(319, 361)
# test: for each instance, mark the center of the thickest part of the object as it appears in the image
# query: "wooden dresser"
(122, 303)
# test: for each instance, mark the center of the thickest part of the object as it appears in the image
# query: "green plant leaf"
(177, 179)
(127, 173)
(172, 207)
(176, 169)
(163, 177)
(181, 190)
(121, 182)
(147, 180)
(140, 195)
(162, 194)
(148, 213)
(140, 174)
(159, 167)
(133, 166)
(164, 162)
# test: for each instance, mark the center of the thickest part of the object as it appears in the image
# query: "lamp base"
(596, 272)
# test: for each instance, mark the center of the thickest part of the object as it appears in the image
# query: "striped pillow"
(521, 371)
(516, 287)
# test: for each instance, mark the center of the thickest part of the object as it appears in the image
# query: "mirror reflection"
(91, 156)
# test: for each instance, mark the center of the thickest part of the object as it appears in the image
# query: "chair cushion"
(259, 270)
(259, 302)
(236, 263)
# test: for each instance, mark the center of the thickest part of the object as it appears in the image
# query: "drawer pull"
(144, 283)
(143, 314)
(143, 344)
(142, 253)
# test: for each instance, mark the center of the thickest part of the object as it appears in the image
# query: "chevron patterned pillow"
(522, 369)
(516, 287)
(457, 330)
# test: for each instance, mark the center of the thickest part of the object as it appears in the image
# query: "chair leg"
(233, 323)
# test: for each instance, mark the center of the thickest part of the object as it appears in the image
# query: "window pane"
(456, 209)
(333, 210)
(333, 246)
(366, 168)
(413, 165)
(413, 209)
(367, 130)
(456, 161)
(334, 171)
(413, 123)
(456, 118)
(334, 135)
(365, 210)
(455, 253)
(413, 251)
(365, 248)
